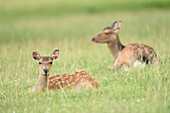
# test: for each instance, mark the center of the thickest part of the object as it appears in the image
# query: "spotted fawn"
(79, 80)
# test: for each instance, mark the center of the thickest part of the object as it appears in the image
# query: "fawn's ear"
(116, 26)
(108, 31)
(36, 55)
(55, 54)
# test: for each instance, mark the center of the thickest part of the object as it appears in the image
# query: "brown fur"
(133, 52)
(78, 80)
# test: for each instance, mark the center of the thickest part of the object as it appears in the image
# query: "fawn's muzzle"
(46, 71)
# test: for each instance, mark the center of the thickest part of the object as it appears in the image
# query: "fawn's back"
(79, 80)
(138, 52)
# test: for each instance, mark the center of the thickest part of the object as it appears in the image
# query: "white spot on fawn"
(146, 50)
(138, 63)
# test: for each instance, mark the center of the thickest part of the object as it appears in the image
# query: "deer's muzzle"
(46, 71)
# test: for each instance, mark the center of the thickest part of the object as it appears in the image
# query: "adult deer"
(129, 55)
(79, 80)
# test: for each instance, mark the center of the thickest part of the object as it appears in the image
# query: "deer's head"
(108, 34)
(45, 62)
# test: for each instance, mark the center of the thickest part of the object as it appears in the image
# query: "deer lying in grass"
(130, 55)
(79, 80)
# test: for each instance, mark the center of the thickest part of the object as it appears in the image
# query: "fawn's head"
(108, 34)
(45, 62)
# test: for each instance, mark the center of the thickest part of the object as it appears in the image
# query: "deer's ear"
(55, 54)
(36, 55)
(106, 31)
(116, 26)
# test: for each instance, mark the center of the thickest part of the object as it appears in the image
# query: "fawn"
(129, 55)
(79, 80)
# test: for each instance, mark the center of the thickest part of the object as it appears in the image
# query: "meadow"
(43, 26)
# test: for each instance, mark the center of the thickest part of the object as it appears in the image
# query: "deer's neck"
(42, 83)
(115, 47)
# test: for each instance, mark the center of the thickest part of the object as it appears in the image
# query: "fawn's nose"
(46, 71)
(92, 39)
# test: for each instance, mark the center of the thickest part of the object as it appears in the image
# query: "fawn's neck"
(115, 47)
(42, 83)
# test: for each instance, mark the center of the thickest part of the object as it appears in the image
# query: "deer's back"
(136, 53)
(72, 81)
(139, 50)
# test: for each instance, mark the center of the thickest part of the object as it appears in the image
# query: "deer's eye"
(51, 62)
(39, 62)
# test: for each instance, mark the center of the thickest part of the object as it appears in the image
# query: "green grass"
(27, 26)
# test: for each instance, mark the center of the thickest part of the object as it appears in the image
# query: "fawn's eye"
(39, 62)
(51, 62)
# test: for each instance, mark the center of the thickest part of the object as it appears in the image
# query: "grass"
(27, 26)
